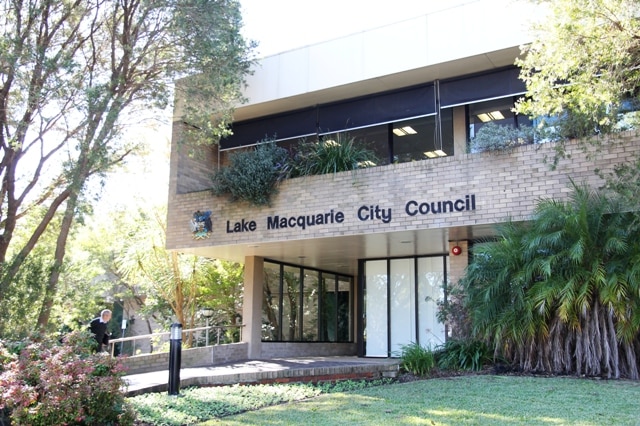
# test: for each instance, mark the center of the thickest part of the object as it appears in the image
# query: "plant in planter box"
(252, 175)
(338, 154)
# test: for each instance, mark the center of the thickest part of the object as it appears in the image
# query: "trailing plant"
(464, 354)
(52, 382)
(338, 154)
(494, 137)
(252, 175)
(417, 359)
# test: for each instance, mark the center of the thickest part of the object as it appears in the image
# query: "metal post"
(207, 313)
(207, 338)
(124, 328)
(175, 353)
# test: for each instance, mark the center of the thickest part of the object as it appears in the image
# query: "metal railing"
(159, 342)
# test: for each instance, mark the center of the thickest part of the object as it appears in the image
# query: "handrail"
(218, 328)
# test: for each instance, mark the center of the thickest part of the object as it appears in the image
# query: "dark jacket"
(99, 331)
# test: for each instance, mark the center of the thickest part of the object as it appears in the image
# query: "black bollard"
(175, 352)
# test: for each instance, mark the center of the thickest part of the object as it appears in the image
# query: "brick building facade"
(356, 262)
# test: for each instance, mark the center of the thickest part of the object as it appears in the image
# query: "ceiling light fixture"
(435, 154)
(491, 116)
(403, 131)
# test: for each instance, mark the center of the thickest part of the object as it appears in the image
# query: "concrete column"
(459, 131)
(252, 305)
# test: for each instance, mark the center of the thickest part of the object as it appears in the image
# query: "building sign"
(362, 213)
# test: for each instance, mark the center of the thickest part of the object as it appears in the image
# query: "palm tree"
(561, 292)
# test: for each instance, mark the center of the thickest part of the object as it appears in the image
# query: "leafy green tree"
(584, 60)
(181, 282)
(73, 74)
(561, 294)
(221, 289)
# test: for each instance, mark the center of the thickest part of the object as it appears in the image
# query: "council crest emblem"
(201, 224)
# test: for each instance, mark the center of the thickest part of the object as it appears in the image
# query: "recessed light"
(403, 131)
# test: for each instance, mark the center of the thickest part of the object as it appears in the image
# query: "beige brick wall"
(505, 184)
(301, 349)
(191, 167)
(192, 357)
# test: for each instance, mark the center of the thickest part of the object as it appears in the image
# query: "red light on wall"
(456, 250)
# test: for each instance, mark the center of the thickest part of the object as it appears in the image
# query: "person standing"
(98, 327)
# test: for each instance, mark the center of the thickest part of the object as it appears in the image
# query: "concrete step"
(282, 370)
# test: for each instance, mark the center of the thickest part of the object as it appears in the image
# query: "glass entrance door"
(400, 304)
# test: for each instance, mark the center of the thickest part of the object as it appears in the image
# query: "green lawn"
(486, 400)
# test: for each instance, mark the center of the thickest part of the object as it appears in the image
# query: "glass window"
(290, 304)
(498, 111)
(375, 309)
(402, 296)
(375, 138)
(317, 307)
(344, 307)
(398, 310)
(431, 281)
(271, 302)
(328, 330)
(418, 139)
(310, 306)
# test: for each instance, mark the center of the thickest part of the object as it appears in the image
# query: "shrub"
(463, 355)
(417, 359)
(253, 175)
(64, 383)
(340, 154)
(453, 312)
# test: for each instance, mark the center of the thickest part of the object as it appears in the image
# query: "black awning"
(380, 108)
(281, 126)
(497, 84)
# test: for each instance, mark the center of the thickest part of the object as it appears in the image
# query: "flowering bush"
(64, 384)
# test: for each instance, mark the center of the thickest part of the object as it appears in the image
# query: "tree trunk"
(61, 247)
(613, 344)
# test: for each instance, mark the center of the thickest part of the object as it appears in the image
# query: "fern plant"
(338, 154)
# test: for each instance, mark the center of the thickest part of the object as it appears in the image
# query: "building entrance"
(400, 303)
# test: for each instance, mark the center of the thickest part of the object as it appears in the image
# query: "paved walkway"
(265, 371)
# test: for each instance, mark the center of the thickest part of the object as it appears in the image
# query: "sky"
(281, 25)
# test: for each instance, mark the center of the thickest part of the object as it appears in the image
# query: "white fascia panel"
(335, 63)
(395, 48)
(294, 76)
(262, 85)
(477, 28)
